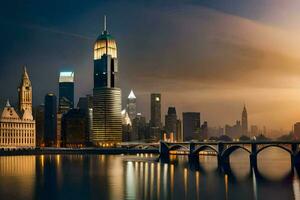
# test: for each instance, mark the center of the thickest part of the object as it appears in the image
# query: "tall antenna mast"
(104, 22)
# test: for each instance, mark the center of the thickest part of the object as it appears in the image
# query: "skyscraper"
(131, 105)
(155, 121)
(244, 121)
(50, 136)
(171, 122)
(191, 125)
(107, 121)
(155, 110)
(66, 91)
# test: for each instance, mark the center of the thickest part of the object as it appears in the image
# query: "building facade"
(50, 136)
(66, 91)
(17, 128)
(74, 128)
(155, 120)
(107, 120)
(191, 125)
(172, 124)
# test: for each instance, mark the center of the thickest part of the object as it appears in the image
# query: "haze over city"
(206, 56)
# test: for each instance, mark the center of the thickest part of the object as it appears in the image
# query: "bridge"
(223, 150)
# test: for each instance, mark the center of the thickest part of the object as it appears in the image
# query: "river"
(142, 176)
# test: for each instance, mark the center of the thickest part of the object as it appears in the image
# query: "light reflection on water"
(142, 177)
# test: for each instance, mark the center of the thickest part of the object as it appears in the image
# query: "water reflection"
(142, 177)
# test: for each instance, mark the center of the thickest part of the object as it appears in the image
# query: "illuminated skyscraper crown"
(105, 44)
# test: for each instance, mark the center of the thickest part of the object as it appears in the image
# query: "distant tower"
(66, 91)
(155, 121)
(155, 110)
(131, 105)
(171, 121)
(244, 121)
(107, 119)
(25, 93)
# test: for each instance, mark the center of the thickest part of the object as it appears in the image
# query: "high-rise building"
(155, 120)
(107, 121)
(50, 136)
(66, 91)
(17, 129)
(191, 125)
(131, 105)
(171, 122)
(244, 121)
(74, 128)
(86, 104)
(179, 135)
(139, 128)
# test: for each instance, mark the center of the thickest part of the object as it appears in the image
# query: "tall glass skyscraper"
(50, 123)
(66, 91)
(107, 121)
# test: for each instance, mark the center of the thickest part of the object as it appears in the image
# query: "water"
(142, 177)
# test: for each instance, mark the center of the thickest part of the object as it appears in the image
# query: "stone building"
(17, 128)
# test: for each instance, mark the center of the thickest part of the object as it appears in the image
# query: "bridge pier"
(295, 160)
(220, 151)
(253, 156)
(163, 149)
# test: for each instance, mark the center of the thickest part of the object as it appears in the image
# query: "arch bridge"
(223, 150)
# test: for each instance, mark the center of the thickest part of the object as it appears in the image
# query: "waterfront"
(140, 176)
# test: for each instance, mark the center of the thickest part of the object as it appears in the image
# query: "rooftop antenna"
(104, 22)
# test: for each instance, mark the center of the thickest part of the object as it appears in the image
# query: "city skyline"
(252, 71)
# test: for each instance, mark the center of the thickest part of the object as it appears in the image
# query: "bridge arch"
(203, 148)
(275, 145)
(226, 153)
(178, 146)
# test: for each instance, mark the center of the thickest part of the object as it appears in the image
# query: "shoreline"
(113, 151)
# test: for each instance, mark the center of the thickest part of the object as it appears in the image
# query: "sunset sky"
(209, 56)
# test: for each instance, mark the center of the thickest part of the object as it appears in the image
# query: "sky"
(207, 56)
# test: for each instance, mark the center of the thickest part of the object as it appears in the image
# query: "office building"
(50, 136)
(107, 121)
(74, 128)
(173, 125)
(86, 104)
(139, 128)
(155, 120)
(66, 91)
(191, 125)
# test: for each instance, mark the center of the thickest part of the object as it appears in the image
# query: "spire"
(7, 104)
(131, 95)
(104, 23)
(25, 75)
